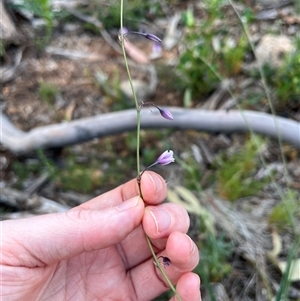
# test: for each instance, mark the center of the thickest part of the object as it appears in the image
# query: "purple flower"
(165, 261)
(165, 113)
(152, 37)
(148, 36)
(165, 158)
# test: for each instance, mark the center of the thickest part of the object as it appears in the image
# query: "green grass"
(286, 212)
(135, 13)
(82, 178)
(285, 80)
(40, 9)
(208, 44)
(23, 171)
(235, 174)
(215, 253)
(48, 92)
(2, 49)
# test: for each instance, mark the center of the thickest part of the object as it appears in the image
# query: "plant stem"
(138, 109)
(159, 266)
(138, 135)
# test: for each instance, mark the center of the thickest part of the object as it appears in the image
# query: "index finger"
(153, 186)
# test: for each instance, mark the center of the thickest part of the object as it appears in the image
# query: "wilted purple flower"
(165, 158)
(148, 36)
(165, 261)
(165, 113)
(152, 37)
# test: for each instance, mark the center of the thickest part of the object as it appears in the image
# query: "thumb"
(51, 238)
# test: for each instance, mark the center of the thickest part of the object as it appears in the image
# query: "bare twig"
(74, 55)
(38, 183)
(10, 73)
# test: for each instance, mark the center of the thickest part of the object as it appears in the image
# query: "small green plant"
(2, 49)
(285, 282)
(33, 168)
(235, 175)
(191, 173)
(192, 65)
(232, 55)
(214, 255)
(213, 8)
(24, 170)
(285, 213)
(78, 177)
(82, 178)
(251, 99)
(297, 7)
(210, 50)
(47, 92)
(134, 13)
(47, 164)
(286, 79)
(41, 9)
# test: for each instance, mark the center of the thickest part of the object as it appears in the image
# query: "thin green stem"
(138, 109)
(138, 135)
(161, 269)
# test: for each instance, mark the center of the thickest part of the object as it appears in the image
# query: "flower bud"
(165, 113)
(165, 158)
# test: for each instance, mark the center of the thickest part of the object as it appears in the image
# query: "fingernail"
(156, 182)
(161, 218)
(128, 204)
(192, 244)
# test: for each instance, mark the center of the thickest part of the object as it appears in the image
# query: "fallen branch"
(81, 130)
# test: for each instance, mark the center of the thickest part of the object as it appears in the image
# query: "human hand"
(98, 250)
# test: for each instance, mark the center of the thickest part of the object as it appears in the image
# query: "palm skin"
(98, 251)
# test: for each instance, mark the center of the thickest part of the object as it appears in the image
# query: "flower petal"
(152, 37)
(165, 158)
(165, 113)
